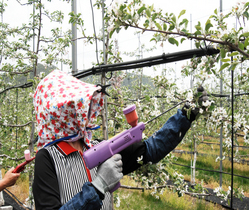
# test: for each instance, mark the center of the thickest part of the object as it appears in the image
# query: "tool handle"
(115, 187)
(21, 166)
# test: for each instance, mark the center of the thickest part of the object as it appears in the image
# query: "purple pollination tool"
(106, 149)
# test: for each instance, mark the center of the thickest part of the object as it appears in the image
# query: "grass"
(211, 179)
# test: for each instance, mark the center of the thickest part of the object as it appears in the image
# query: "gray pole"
(1, 193)
(32, 137)
(191, 75)
(74, 40)
(192, 163)
(103, 79)
(221, 129)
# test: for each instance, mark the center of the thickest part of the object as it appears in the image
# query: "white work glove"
(108, 174)
(193, 115)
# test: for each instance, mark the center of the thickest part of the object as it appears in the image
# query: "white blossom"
(140, 158)
(110, 28)
(118, 202)
(189, 95)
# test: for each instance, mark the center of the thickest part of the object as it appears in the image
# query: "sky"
(128, 41)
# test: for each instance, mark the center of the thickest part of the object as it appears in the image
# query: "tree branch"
(17, 126)
(17, 159)
(232, 46)
(159, 187)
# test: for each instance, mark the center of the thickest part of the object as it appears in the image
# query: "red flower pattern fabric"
(63, 104)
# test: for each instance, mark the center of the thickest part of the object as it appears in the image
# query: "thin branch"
(23, 4)
(52, 40)
(38, 37)
(15, 73)
(85, 37)
(17, 126)
(163, 186)
(26, 85)
(232, 46)
(113, 104)
(8, 157)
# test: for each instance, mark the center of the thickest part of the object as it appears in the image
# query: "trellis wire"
(202, 169)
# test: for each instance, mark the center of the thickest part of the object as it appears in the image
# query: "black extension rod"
(145, 62)
(148, 62)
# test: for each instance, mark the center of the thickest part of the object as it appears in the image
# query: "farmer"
(65, 111)
(9, 179)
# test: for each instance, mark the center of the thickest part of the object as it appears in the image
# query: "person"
(9, 179)
(65, 112)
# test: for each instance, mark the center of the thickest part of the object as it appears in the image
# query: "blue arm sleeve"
(163, 141)
(87, 199)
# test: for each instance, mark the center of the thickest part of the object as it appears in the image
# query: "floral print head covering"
(63, 104)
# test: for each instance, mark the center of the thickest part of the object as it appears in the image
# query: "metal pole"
(103, 79)
(232, 89)
(74, 39)
(221, 129)
(191, 86)
(1, 45)
(34, 69)
(1, 193)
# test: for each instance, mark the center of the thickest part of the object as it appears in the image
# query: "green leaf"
(159, 180)
(174, 18)
(246, 42)
(224, 66)
(197, 44)
(184, 21)
(234, 53)
(241, 45)
(198, 27)
(233, 66)
(173, 41)
(154, 16)
(164, 27)
(246, 34)
(222, 52)
(215, 11)
(141, 9)
(188, 113)
(158, 26)
(171, 27)
(111, 33)
(197, 33)
(208, 25)
(225, 60)
(181, 13)
(148, 12)
(177, 43)
(147, 98)
(182, 39)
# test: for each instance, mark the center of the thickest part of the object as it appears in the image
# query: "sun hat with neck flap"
(63, 104)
